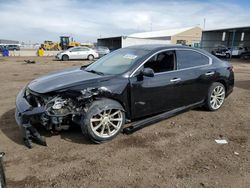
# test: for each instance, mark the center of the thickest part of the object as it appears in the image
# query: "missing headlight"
(59, 107)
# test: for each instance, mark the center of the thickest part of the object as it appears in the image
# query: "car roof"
(158, 47)
(78, 47)
(151, 47)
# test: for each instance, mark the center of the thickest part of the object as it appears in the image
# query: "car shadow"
(244, 84)
(9, 127)
(199, 109)
(11, 130)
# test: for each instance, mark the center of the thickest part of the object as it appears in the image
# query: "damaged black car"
(137, 86)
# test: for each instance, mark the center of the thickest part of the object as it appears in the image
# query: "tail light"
(231, 68)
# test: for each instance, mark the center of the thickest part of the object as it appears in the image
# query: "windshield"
(117, 62)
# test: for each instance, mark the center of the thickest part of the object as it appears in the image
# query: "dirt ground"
(178, 152)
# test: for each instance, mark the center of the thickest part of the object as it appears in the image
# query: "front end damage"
(55, 111)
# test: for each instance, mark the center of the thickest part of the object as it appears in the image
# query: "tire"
(91, 57)
(215, 97)
(245, 57)
(96, 122)
(65, 57)
(227, 56)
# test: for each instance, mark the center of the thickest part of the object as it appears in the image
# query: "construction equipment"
(66, 42)
(49, 45)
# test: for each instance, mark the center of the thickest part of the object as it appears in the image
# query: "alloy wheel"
(217, 97)
(107, 123)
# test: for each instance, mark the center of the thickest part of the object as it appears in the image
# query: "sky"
(37, 20)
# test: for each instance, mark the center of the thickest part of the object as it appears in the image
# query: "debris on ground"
(221, 141)
(236, 153)
(29, 61)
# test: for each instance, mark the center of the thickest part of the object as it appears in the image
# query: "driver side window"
(162, 62)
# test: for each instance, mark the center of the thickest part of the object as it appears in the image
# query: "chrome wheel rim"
(107, 123)
(217, 97)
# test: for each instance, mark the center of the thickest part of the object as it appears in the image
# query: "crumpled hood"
(64, 79)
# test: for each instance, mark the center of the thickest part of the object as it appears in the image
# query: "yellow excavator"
(65, 43)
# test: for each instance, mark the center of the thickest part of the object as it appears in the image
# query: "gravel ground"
(177, 152)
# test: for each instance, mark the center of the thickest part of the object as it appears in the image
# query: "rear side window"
(189, 58)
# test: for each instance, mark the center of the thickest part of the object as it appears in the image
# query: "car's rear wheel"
(227, 55)
(91, 57)
(103, 120)
(216, 96)
(245, 56)
(65, 57)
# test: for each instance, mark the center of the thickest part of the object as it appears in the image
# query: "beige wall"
(190, 36)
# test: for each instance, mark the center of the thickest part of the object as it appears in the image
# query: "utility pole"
(204, 23)
(151, 26)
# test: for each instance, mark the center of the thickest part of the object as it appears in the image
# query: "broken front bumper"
(23, 115)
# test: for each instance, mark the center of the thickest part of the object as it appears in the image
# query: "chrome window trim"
(171, 49)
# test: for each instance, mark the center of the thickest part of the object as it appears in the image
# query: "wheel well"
(223, 82)
(65, 55)
(127, 114)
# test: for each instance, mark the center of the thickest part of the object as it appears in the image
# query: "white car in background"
(237, 51)
(77, 53)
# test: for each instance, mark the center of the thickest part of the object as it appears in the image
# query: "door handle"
(210, 73)
(175, 80)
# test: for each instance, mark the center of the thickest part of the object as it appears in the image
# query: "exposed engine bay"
(55, 112)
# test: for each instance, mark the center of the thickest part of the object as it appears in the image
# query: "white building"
(188, 36)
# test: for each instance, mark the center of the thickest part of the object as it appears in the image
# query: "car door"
(152, 95)
(196, 74)
(83, 53)
(74, 53)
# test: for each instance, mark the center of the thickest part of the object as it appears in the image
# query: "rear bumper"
(230, 84)
(229, 91)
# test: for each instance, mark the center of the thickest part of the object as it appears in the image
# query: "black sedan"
(138, 85)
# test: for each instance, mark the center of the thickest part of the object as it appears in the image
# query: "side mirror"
(148, 72)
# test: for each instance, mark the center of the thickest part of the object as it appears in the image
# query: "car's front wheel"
(103, 120)
(65, 57)
(216, 96)
(91, 57)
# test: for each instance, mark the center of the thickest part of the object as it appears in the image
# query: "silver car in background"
(77, 53)
(102, 50)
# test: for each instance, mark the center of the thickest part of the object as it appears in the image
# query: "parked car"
(221, 51)
(102, 50)
(13, 47)
(77, 53)
(138, 84)
(237, 51)
(245, 55)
